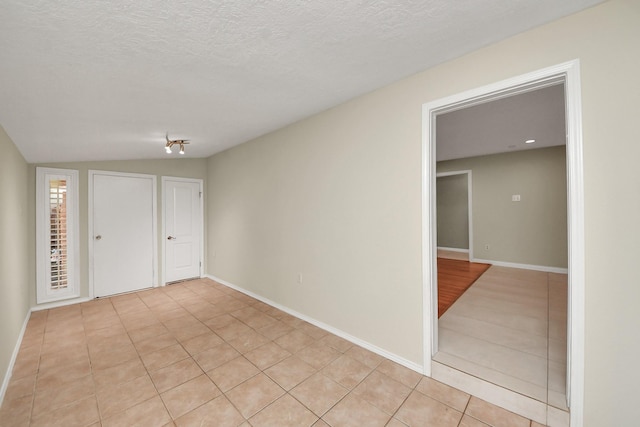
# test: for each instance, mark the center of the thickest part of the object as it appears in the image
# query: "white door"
(182, 228)
(122, 232)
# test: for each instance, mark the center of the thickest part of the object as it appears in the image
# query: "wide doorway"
(505, 245)
(122, 243)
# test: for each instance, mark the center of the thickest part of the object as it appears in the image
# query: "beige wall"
(184, 168)
(14, 239)
(452, 211)
(337, 198)
(532, 231)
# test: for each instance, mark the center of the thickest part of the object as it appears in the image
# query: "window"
(57, 234)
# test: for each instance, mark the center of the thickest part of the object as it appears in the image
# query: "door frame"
(469, 174)
(200, 183)
(154, 222)
(569, 73)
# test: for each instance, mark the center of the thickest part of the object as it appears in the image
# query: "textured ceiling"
(99, 80)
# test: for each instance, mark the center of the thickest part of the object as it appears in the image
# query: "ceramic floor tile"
(290, 372)
(421, 410)
(284, 412)
(399, 373)
(318, 355)
(118, 374)
(267, 355)
(319, 393)
(16, 412)
(173, 375)
(218, 412)
(105, 362)
(468, 421)
(232, 373)
(355, 412)
(165, 357)
(148, 413)
(346, 371)
(494, 415)
(364, 356)
(49, 400)
(149, 345)
(294, 341)
(117, 398)
(247, 341)
(382, 392)
(202, 342)
(190, 395)
(255, 394)
(216, 356)
(79, 413)
(443, 393)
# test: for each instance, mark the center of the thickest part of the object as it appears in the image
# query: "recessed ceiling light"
(530, 141)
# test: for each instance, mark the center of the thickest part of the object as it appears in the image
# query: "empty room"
(226, 214)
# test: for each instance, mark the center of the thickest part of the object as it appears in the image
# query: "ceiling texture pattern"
(88, 80)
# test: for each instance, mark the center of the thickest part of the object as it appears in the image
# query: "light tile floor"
(201, 354)
(509, 328)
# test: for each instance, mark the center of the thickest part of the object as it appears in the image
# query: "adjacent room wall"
(14, 243)
(184, 168)
(337, 198)
(452, 211)
(532, 231)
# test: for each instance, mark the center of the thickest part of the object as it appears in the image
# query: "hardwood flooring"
(455, 277)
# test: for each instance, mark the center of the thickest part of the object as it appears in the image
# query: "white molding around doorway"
(569, 74)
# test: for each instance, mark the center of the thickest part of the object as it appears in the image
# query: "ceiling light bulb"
(168, 149)
(530, 141)
(181, 149)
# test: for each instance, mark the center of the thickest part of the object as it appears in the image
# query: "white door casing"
(122, 232)
(569, 74)
(182, 228)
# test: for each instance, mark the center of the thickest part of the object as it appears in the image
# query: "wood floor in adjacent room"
(201, 354)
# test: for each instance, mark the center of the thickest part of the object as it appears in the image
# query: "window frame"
(45, 293)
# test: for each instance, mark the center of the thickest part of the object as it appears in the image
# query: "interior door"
(183, 228)
(123, 232)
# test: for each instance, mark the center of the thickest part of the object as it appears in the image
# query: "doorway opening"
(567, 75)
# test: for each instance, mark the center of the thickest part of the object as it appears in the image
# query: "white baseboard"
(523, 266)
(355, 340)
(62, 303)
(464, 251)
(14, 356)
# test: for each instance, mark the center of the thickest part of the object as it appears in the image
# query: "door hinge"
(200, 194)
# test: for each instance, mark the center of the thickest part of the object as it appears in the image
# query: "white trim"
(469, 174)
(154, 222)
(200, 182)
(371, 347)
(12, 361)
(533, 267)
(44, 293)
(56, 304)
(569, 73)
(442, 248)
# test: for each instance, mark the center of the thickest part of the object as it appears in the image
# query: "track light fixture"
(171, 142)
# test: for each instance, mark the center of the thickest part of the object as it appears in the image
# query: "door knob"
(98, 237)
(171, 238)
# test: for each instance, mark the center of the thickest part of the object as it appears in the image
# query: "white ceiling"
(503, 125)
(97, 80)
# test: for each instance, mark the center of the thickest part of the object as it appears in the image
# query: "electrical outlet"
(487, 247)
